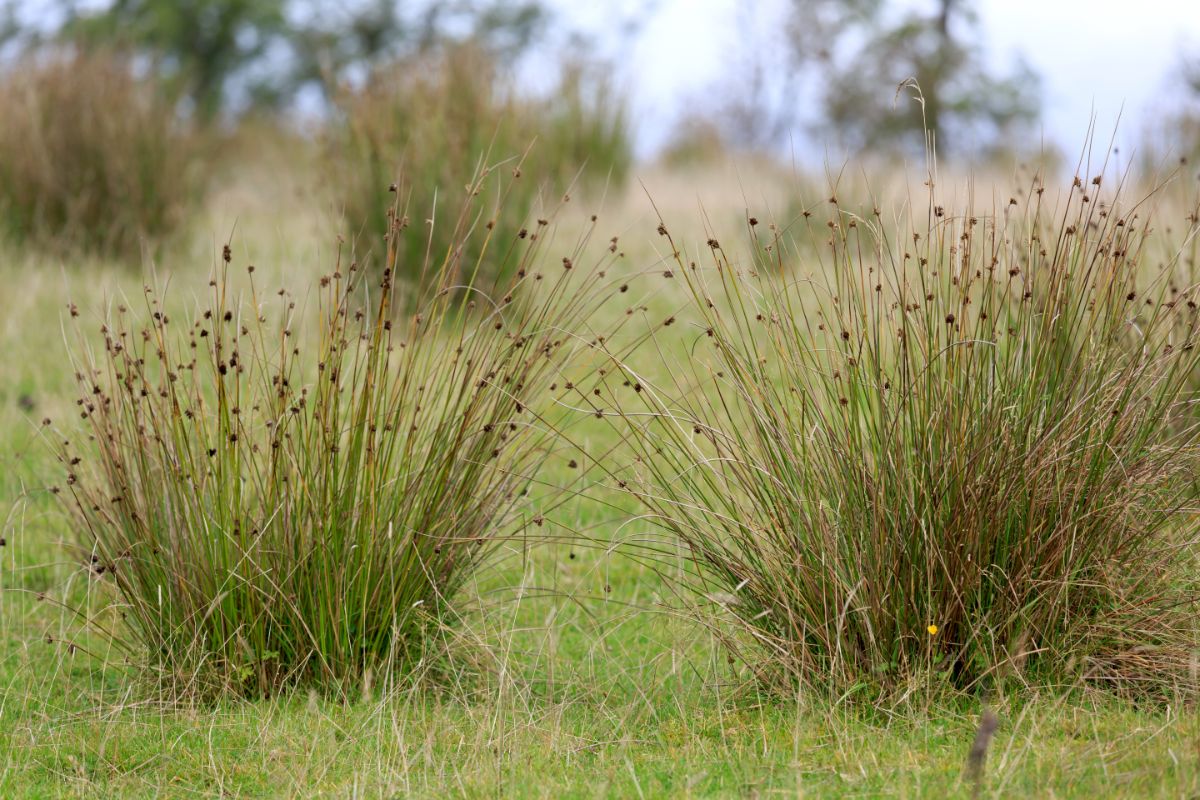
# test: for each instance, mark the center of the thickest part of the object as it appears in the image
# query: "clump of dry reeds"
(92, 158)
(430, 124)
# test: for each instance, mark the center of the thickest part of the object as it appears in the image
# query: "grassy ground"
(571, 676)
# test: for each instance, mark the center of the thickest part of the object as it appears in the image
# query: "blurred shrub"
(90, 157)
(695, 142)
(444, 126)
(582, 126)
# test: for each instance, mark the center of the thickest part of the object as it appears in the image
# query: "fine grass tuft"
(265, 499)
(938, 449)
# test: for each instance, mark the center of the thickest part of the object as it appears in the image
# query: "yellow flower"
(933, 629)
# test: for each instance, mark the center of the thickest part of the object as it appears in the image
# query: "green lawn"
(575, 702)
(570, 675)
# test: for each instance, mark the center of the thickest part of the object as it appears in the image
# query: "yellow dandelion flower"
(933, 629)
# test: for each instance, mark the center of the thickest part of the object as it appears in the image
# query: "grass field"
(572, 673)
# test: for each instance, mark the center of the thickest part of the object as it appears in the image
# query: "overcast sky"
(1100, 55)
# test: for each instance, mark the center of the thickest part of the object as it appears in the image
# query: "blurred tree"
(1191, 76)
(266, 51)
(10, 29)
(334, 43)
(1174, 132)
(863, 56)
(198, 46)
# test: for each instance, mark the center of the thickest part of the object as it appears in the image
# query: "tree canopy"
(862, 55)
(227, 55)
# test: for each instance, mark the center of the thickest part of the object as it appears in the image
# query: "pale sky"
(1100, 55)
